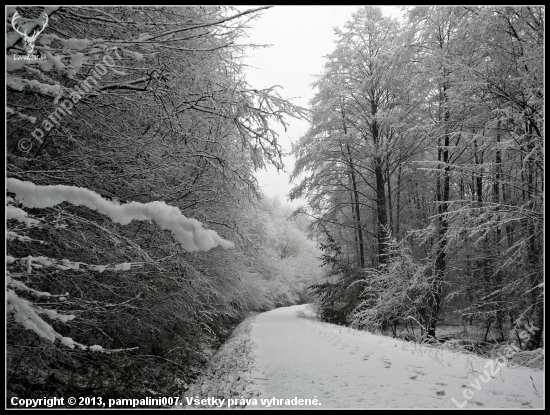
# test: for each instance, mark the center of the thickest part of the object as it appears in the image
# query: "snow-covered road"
(345, 368)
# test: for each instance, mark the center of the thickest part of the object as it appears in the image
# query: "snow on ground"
(296, 356)
(229, 374)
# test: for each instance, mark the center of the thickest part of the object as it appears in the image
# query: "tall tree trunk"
(442, 193)
(499, 306)
(478, 157)
(508, 228)
(534, 254)
(381, 211)
(355, 194)
(355, 230)
(390, 212)
(357, 210)
(398, 201)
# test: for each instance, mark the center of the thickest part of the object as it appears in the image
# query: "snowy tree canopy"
(427, 133)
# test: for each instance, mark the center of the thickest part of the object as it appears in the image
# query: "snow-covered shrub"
(393, 293)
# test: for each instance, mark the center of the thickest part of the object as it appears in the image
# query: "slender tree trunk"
(357, 211)
(496, 199)
(390, 212)
(478, 177)
(508, 228)
(398, 201)
(355, 230)
(382, 215)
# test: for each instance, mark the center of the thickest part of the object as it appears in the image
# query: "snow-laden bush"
(395, 292)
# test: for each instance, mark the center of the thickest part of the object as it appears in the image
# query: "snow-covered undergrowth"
(469, 340)
(230, 373)
(452, 353)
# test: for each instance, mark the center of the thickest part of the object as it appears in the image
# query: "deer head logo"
(29, 40)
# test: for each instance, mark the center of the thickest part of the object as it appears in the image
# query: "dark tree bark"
(381, 212)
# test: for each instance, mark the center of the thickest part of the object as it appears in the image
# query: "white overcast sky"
(300, 37)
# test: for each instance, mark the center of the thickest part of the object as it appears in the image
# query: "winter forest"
(138, 237)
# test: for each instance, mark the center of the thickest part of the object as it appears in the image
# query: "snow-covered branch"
(188, 231)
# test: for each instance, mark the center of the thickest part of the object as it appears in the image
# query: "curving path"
(345, 368)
